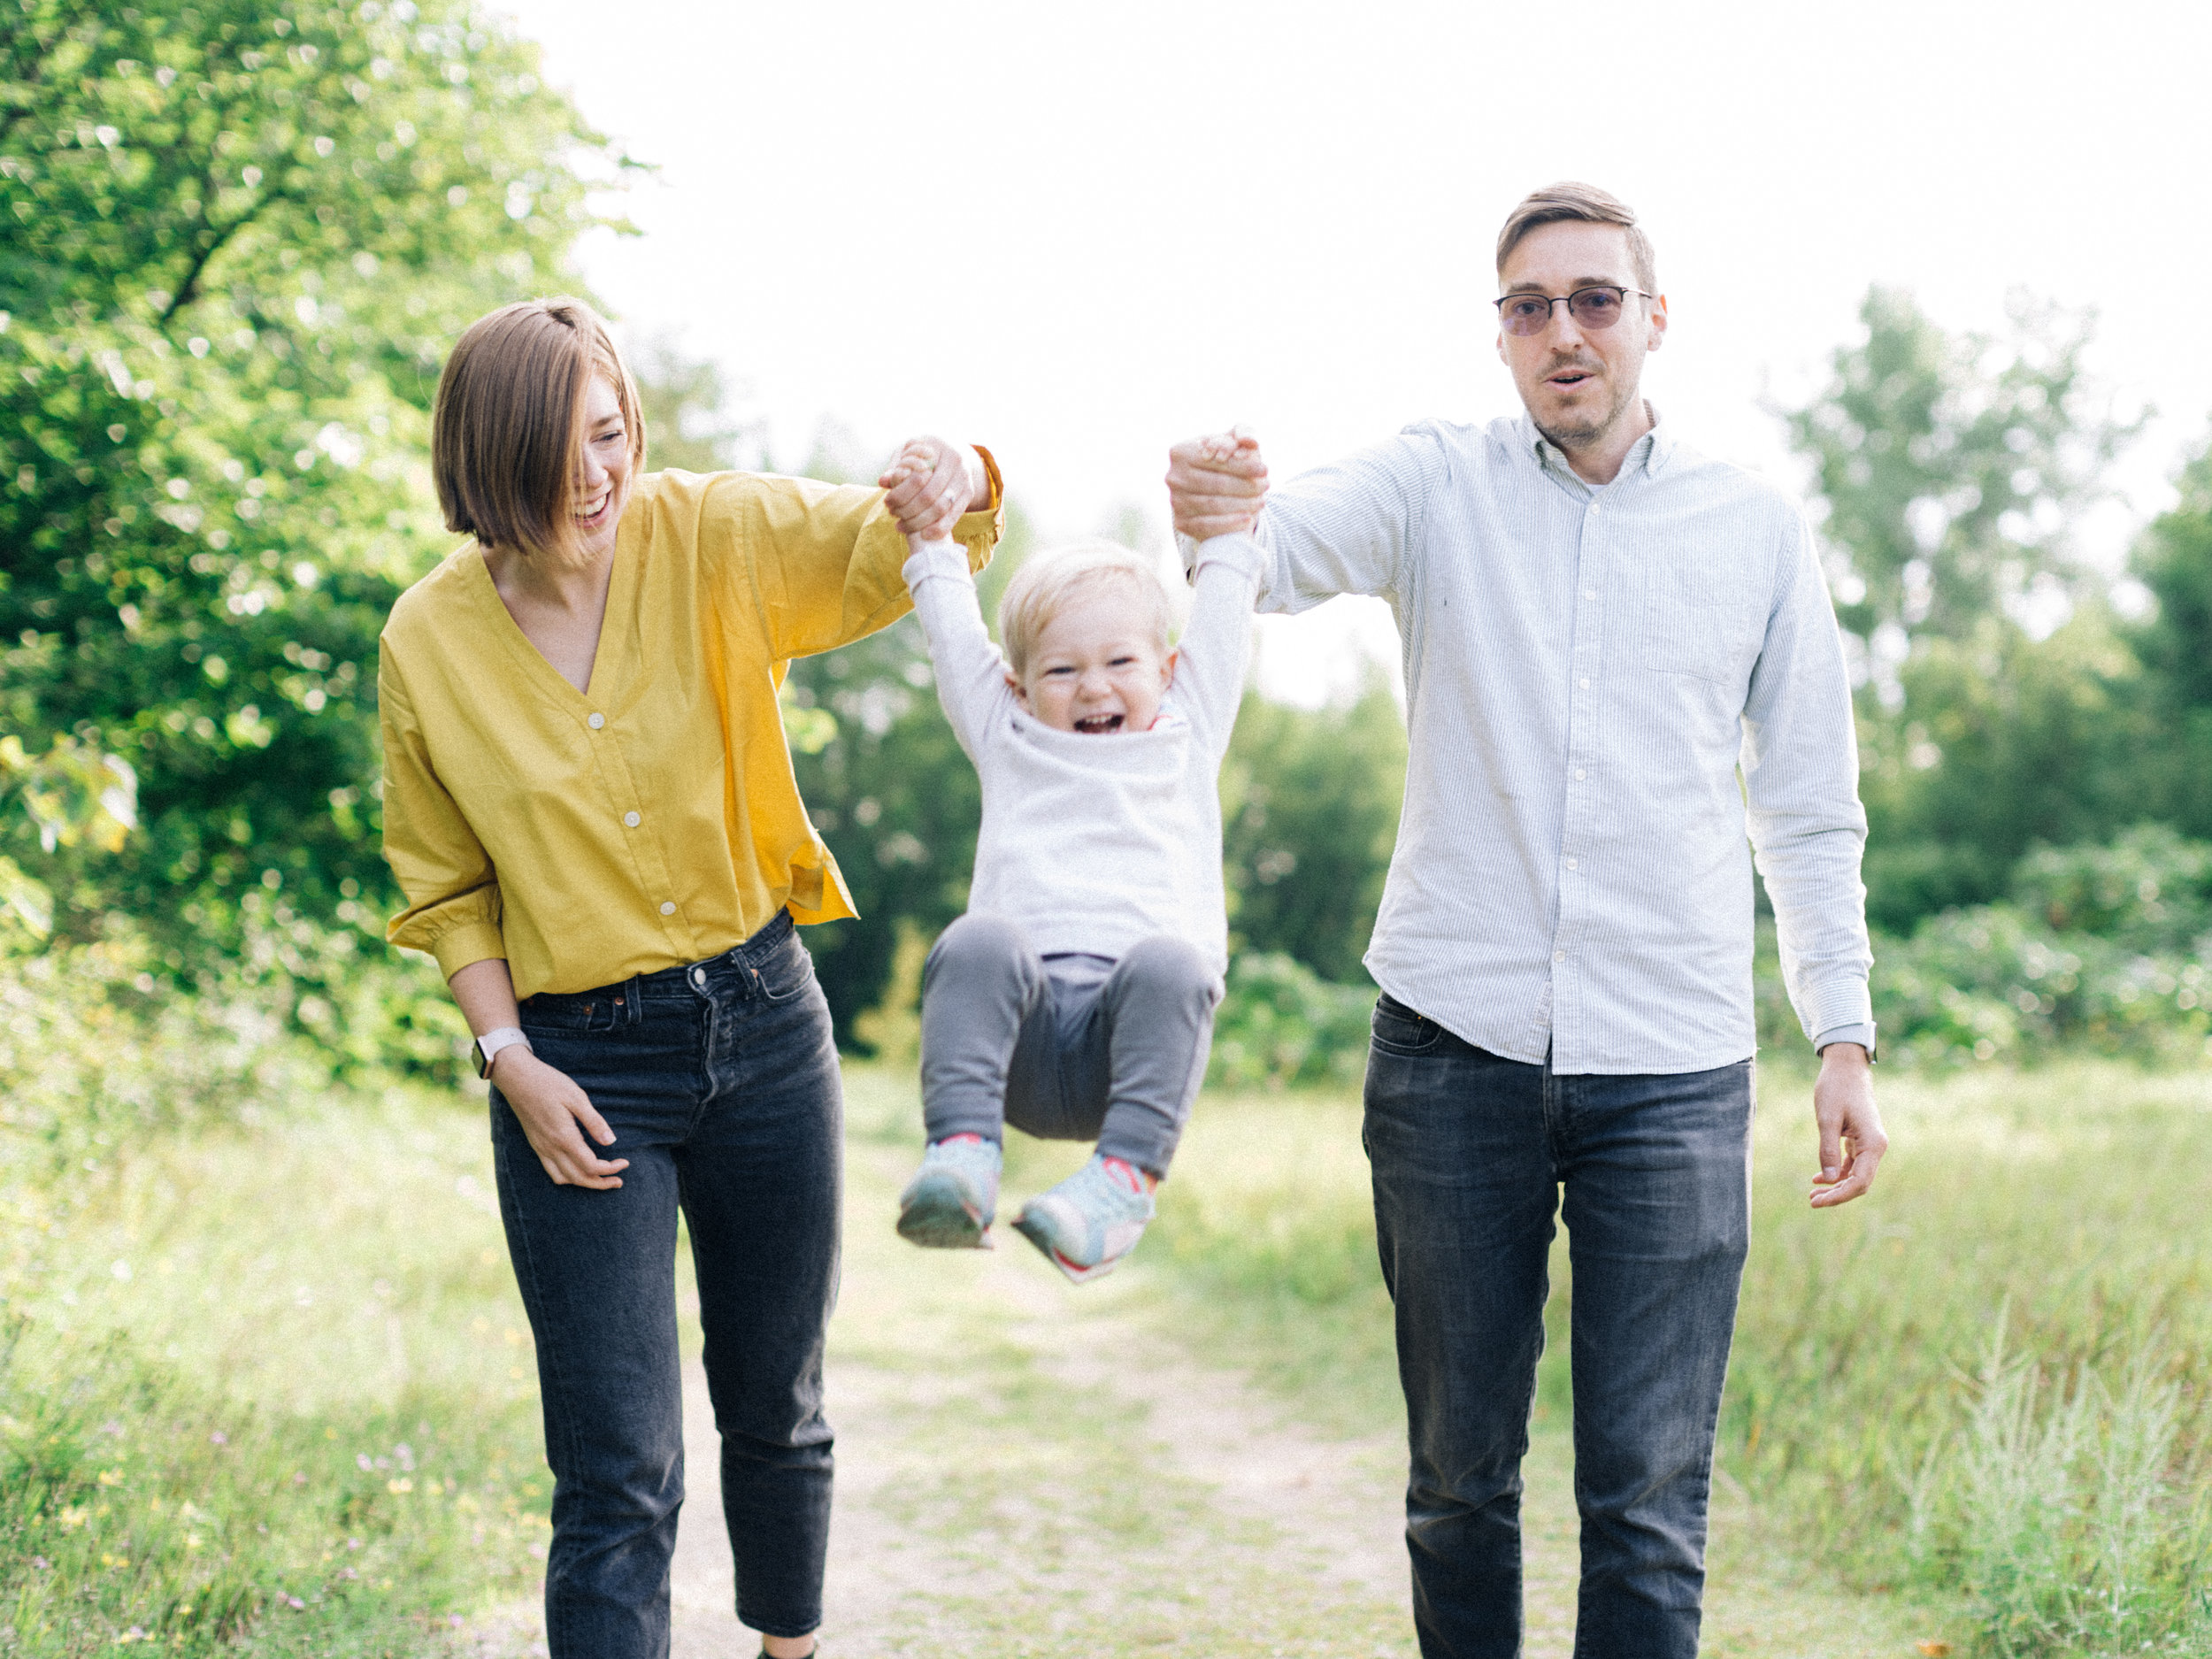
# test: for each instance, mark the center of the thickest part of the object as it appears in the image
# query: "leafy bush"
(2149, 890)
(1282, 1024)
(97, 1051)
(1991, 983)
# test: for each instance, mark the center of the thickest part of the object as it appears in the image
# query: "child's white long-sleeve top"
(1093, 842)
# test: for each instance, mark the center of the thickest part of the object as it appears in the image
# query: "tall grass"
(264, 1381)
(1991, 1381)
(2055, 1509)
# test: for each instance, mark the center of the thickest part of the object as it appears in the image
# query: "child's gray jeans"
(1065, 1047)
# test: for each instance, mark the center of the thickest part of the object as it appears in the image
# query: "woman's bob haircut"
(507, 431)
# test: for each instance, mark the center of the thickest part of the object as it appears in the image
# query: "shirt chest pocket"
(1701, 617)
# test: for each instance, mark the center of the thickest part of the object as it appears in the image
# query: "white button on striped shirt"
(1583, 688)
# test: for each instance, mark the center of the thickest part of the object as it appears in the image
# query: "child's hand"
(930, 483)
(1217, 484)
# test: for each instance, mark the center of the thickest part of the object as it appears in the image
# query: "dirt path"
(1025, 1469)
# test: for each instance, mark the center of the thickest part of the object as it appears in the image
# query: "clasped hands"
(1217, 484)
(930, 483)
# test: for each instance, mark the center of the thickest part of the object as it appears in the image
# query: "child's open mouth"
(1098, 723)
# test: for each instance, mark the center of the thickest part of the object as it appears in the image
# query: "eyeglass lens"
(1531, 313)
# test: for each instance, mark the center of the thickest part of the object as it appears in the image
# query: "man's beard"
(1589, 430)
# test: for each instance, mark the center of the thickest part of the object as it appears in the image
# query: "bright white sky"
(1077, 233)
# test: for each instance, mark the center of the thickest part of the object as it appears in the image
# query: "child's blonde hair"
(1045, 583)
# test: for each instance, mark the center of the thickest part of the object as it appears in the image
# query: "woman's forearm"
(486, 992)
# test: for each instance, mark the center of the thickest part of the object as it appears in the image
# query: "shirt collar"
(1647, 455)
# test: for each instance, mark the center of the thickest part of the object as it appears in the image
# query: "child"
(1075, 998)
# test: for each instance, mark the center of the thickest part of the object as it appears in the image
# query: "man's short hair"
(506, 434)
(1047, 583)
(1585, 202)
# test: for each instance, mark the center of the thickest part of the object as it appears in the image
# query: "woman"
(589, 805)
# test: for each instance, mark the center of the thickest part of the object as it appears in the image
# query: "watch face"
(483, 1065)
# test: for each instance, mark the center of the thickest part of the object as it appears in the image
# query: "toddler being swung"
(1075, 999)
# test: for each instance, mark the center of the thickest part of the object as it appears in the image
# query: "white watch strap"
(491, 1042)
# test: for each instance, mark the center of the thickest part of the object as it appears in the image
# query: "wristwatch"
(491, 1042)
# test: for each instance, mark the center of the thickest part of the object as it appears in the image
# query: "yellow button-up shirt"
(653, 819)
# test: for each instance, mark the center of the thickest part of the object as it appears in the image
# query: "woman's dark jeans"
(1469, 1153)
(720, 1083)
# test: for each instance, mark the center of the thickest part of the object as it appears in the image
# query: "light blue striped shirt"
(1616, 697)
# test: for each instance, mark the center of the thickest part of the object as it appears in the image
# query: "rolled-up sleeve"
(453, 903)
(1800, 769)
(826, 559)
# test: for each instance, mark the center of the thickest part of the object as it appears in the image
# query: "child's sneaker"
(950, 1203)
(1091, 1220)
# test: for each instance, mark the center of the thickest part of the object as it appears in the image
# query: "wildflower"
(399, 1485)
(111, 1477)
(219, 1439)
(73, 1516)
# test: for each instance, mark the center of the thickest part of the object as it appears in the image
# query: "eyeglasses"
(1599, 307)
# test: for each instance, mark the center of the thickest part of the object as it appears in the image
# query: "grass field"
(270, 1387)
(1931, 1389)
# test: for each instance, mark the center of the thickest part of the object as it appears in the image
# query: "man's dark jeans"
(720, 1083)
(1470, 1153)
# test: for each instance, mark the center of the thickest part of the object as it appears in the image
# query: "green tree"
(2004, 742)
(240, 237)
(1309, 814)
(2174, 560)
(686, 402)
(1953, 469)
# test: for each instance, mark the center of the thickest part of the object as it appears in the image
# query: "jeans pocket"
(563, 1014)
(789, 971)
(1397, 1029)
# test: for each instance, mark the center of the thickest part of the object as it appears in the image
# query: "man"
(1620, 659)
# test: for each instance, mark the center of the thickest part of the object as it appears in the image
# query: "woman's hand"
(930, 483)
(555, 1114)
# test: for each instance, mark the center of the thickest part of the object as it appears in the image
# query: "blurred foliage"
(1281, 1025)
(2174, 561)
(2002, 741)
(1310, 812)
(2098, 948)
(1952, 468)
(242, 236)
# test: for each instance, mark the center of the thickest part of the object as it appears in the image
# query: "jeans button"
(698, 976)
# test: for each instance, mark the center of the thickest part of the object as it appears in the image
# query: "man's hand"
(1851, 1137)
(930, 483)
(554, 1113)
(1216, 484)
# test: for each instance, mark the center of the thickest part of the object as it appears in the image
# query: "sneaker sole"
(934, 1215)
(1075, 1272)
